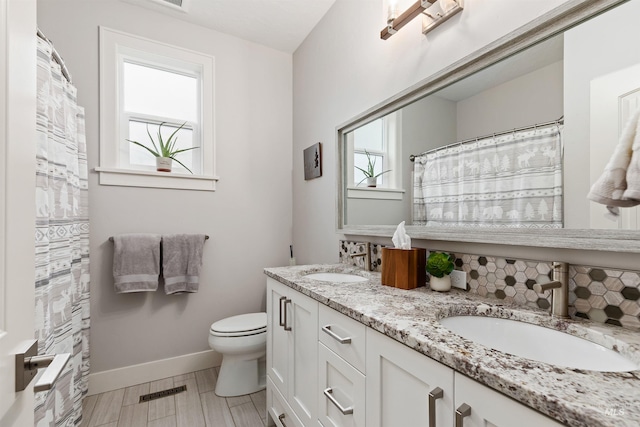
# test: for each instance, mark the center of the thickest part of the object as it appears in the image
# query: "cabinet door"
(490, 408)
(342, 392)
(302, 320)
(399, 383)
(277, 340)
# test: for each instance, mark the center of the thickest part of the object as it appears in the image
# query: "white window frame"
(117, 47)
(391, 154)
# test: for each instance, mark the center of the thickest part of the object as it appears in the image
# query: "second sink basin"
(538, 343)
(336, 277)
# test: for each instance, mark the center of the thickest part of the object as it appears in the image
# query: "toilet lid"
(244, 324)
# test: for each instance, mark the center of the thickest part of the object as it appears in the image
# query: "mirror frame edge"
(561, 18)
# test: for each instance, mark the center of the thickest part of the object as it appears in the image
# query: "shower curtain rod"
(206, 237)
(559, 121)
(56, 56)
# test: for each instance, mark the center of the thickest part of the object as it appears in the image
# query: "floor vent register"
(163, 393)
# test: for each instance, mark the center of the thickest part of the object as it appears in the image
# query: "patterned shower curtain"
(61, 242)
(512, 180)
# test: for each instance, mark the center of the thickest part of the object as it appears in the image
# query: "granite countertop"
(572, 396)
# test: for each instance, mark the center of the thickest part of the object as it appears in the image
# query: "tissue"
(401, 239)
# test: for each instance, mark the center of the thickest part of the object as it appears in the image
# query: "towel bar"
(206, 237)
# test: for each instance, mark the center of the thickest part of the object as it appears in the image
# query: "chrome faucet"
(366, 254)
(559, 290)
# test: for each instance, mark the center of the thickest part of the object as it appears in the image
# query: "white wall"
(343, 68)
(493, 110)
(248, 217)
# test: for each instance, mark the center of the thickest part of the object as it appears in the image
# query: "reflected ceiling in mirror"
(537, 75)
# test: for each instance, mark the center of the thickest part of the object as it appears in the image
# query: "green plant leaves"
(165, 148)
(439, 264)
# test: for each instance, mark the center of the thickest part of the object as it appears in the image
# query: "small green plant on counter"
(165, 148)
(439, 264)
(370, 172)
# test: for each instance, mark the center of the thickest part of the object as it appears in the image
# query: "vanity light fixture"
(434, 13)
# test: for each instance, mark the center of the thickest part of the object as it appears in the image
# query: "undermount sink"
(336, 277)
(538, 343)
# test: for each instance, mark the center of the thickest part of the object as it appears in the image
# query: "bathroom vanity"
(364, 354)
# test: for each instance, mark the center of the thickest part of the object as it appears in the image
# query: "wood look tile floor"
(198, 406)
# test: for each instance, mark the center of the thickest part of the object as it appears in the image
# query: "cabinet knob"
(280, 321)
(345, 411)
(341, 340)
(463, 411)
(286, 328)
(434, 395)
(281, 419)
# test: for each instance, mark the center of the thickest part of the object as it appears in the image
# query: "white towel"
(136, 262)
(181, 262)
(619, 184)
(633, 171)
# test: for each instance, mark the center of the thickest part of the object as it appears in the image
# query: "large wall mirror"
(503, 146)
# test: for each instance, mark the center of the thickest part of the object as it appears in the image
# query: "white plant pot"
(372, 182)
(163, 164)
(440, 284)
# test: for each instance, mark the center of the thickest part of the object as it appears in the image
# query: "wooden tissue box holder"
(404, 268)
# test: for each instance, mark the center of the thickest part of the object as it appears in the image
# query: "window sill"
(152, 179)
(375, 193)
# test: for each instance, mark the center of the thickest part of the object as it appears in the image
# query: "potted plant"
(369, 174)
(164, 151)
(439, 266)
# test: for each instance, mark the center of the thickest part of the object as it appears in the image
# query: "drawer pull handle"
(345, 411)
(463, 410)
(280, 312)
(434, 395)
(286, 328)
(327, 329)
(281, 419)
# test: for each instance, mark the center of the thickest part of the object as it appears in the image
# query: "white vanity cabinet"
(489, 408)
(292, 350)
(328, 370)
(406, 388)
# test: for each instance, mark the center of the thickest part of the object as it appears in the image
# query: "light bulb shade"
(392, 11)
(447, 5)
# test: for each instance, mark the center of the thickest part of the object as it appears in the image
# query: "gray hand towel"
(136, 262)
(181, 262)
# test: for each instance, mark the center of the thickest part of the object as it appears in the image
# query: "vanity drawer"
(343, 335)
(341, 392)
(277, 409)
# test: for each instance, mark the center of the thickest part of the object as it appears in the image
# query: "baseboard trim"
(114, 379)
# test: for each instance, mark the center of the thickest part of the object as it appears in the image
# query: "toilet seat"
(240, 326)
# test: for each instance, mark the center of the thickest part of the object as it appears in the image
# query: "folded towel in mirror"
(181, 262)
(619, 184)
(136, 262)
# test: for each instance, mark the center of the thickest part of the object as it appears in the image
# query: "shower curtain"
(512, 180)
(61, 242)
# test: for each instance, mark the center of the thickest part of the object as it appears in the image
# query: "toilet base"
(239, 376)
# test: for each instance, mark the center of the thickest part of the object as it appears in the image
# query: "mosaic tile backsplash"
(599, 294)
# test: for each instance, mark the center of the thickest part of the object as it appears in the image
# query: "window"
(370, 140)
(145, 84)
(380, 139)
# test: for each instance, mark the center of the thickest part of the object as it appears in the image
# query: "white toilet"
(242, 341)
